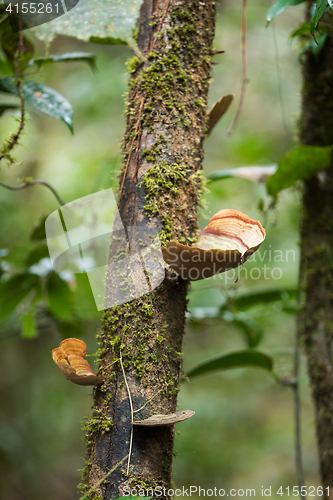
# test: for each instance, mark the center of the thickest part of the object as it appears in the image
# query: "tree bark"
(317, 250)
(159, 188)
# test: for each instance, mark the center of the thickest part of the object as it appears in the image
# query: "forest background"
(242, 435)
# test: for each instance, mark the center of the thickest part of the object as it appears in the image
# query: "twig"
(4, 17)
(160, 25)
(131, 407)
(32, 183)
(148, 401)
(102, 479)
(135, 172)
(284, 122)
(244, 70)
(14, 141)
(130, 151)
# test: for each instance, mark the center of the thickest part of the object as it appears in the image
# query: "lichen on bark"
(159, 188)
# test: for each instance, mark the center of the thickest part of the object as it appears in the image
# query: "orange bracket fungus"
(69, 356)
(227, 242)
(159, 420)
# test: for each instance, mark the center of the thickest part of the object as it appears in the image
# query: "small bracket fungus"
(227, 242)
(69, 357)
(159, 420)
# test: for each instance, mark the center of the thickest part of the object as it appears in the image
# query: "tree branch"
(33, 183)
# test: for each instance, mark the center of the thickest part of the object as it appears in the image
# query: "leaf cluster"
(317, 27)
(33, 296)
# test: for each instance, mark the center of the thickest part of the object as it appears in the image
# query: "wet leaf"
(42, 98)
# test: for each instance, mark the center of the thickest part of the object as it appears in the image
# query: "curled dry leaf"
(218, 109)
(159, 420)
(69, 357)
(227, 242)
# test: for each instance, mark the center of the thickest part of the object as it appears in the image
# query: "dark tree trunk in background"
(317, 251)
(159, 185)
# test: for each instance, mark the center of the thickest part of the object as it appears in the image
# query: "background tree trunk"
(317, 250)
(159, 185)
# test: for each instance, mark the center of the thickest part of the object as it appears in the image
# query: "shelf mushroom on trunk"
(228, 241)
(69, 357)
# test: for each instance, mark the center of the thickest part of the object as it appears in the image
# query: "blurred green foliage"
(242, 433)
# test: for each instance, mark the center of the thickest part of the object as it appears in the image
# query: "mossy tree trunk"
(317, 251)
(159, 187)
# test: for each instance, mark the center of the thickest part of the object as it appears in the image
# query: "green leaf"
(248, 300)
(28, 324)
(59, 296)
(7, 107)
(38, 231)
(111, 20)
(84, 302)
(5, 68)
(300, 164)
(321, 6)
(238, 359)
(42, 98)
(302, 30)
(250, 327)
(258, 174)
(70, 328)
(244, 322)
(10, 44)
(15, 290)
(66, 57)
(38, 253)
(278, 7)
(318, 44)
